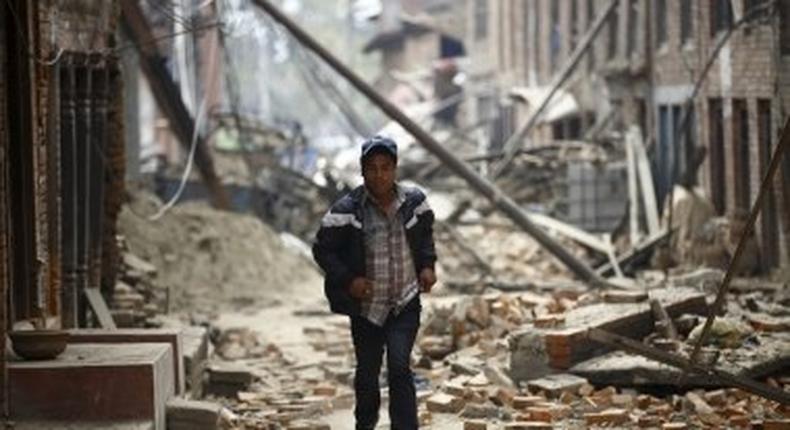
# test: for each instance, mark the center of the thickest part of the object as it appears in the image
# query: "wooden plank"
(725, 378)
(661, 316)
(648, 189)
(645, 246)
(99, 308)
(571, 232)
(633, 186)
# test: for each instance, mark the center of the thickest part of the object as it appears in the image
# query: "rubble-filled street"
(394, 214)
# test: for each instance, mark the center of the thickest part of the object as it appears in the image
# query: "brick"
(674, 426)
(607, 417)
(776, 424)
(548, 412)
(649, 421)
(475, 425)
(444, 403)
(522, 402)
(529, 425)
(554, 385)
(325, 390)
(192, 415)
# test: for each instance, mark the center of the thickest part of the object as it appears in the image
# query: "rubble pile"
(464, 321)
(138, 296)
(494, 249)
(210, 259)
(268, 388)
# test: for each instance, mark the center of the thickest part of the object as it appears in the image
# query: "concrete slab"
(536, 352)
(173, 337)
(94, 383)
(770, 355)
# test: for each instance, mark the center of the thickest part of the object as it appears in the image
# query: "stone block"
(185, 414)
(94, 383)
(172, 337)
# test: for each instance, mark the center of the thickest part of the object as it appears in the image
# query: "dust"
(212, 260)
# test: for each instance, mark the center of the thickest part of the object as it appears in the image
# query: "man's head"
(379, 159)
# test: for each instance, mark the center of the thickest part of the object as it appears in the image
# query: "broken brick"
(607, 417)
(522, 402)
(475, 425)
(528, 425)
(445, 403)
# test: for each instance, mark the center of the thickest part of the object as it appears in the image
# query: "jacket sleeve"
(331, 239)
(426, 248)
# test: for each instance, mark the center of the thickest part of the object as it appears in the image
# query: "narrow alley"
(223, 214)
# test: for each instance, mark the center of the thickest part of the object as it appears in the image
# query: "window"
(633, 24)
(740, 153)
(661, 22)
(613, 24)
(590, 19)
(769, 223)
(716, 148)
(720, 16)
(784, 28)
(686, 21)
(555, 40)
(537, 36)
(481, 19)
(574, 24)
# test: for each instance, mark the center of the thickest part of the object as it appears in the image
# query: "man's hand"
(361, 288)
(427, 279)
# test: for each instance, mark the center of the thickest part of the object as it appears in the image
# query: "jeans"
(397, 335)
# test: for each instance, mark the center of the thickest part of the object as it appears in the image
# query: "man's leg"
(401, 332)
(368, 349)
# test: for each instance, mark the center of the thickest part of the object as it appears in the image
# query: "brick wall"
(748, 68)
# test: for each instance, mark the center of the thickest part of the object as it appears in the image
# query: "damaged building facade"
(640, 70)
(61, 169)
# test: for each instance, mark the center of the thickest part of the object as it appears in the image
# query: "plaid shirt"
(388, 261)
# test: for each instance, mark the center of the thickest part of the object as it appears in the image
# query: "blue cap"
(379, 144)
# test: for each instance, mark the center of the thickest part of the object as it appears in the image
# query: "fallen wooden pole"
(501, 201)
(776, 157)
(726, 378)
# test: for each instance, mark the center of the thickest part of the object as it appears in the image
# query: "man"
(376, 248)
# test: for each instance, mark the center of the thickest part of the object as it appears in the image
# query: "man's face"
(378, 170)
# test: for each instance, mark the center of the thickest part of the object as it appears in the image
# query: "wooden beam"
(645, 181)
(642, 248)
(99, 307)
(621, 342)
(168, 98)
(633, 188)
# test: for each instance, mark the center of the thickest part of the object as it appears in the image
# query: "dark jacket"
(340, 245)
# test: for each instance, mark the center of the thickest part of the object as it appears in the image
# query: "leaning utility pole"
(455, 164)
(168, 98)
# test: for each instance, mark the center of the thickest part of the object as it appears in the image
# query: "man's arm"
(330, 241)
